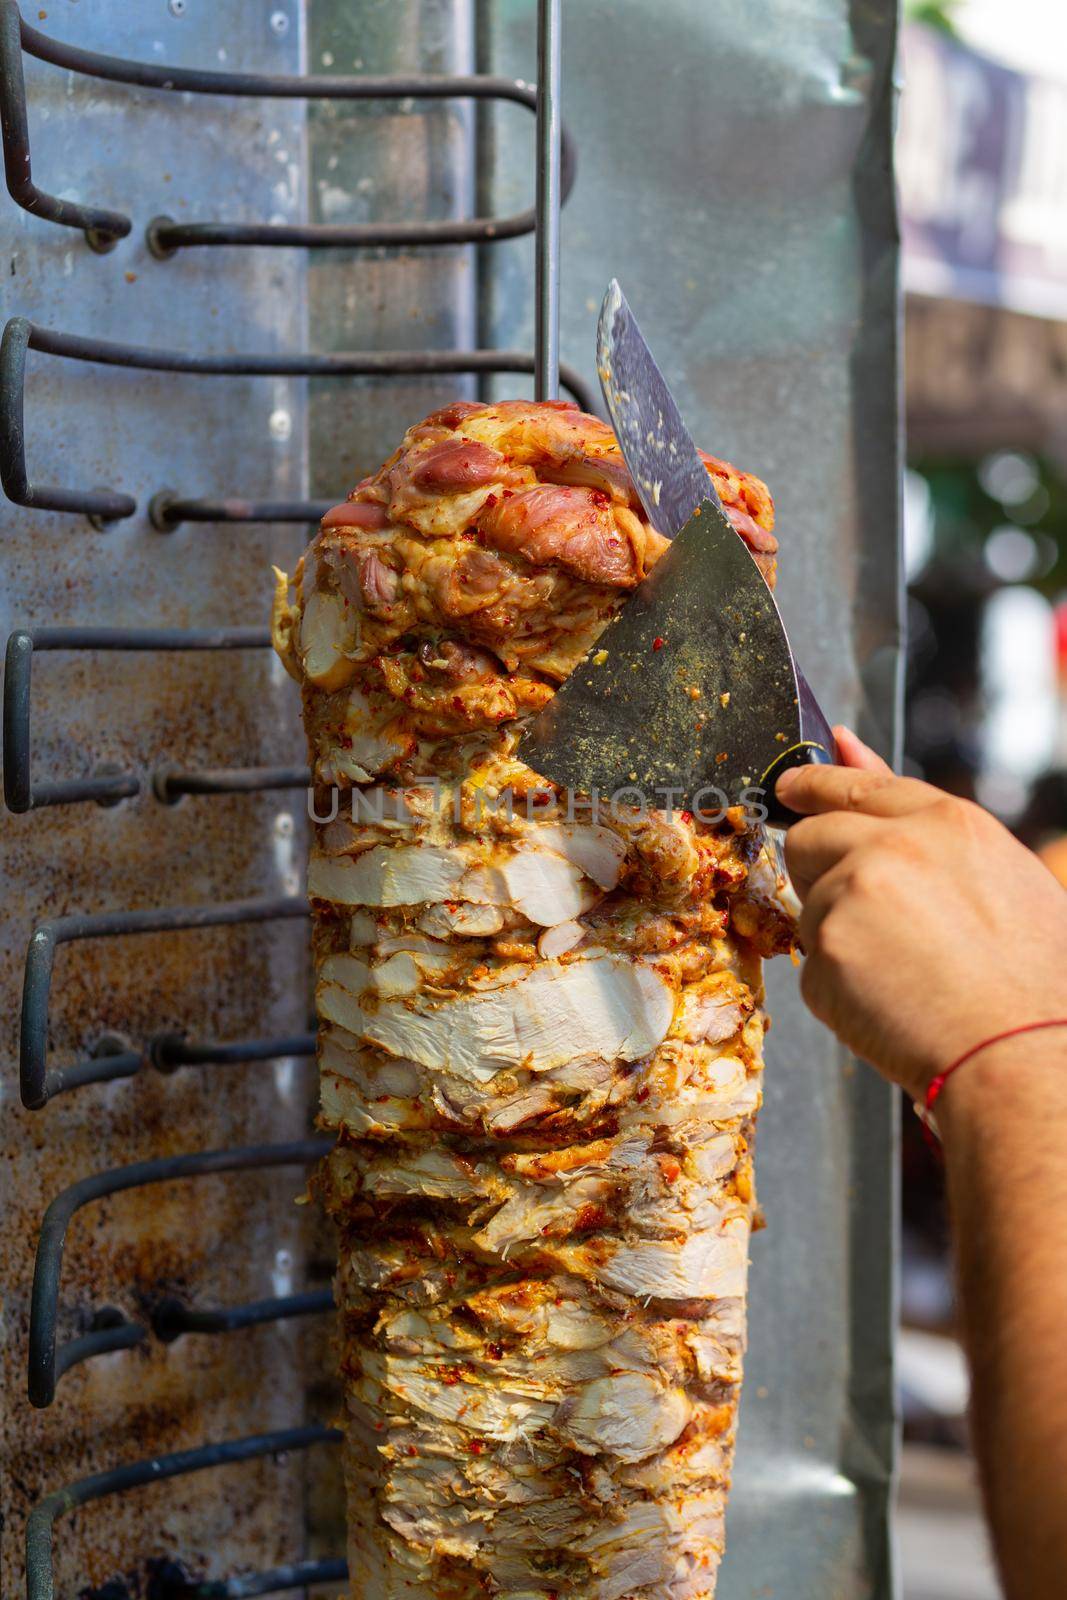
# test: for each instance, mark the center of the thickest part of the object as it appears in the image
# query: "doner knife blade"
(691, 696)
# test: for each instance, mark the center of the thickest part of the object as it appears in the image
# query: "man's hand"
(927, 927)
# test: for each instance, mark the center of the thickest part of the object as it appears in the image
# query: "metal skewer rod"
(549, 128)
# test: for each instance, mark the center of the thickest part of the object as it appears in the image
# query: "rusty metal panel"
(397, 160)
(221, 1239)
(735, 174)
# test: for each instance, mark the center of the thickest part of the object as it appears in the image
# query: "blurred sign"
(983, 378)
(982, 162)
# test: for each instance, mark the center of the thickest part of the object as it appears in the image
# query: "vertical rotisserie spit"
(540, 1036)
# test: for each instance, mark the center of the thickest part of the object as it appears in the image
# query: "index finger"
(814, 845)
(854, 753)
(812, 790)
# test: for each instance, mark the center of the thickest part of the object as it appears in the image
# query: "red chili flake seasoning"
(686, 816)
(476, 1447)
(657, 644)
(412, 1451)
(642, 1095)
(495, 1350)
(490, 500)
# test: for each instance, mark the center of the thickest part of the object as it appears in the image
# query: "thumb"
(854, 753)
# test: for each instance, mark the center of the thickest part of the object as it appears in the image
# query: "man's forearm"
(928, 928)
(1003, 1117)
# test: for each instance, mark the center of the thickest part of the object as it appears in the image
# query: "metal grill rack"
(21, 793)
(170, 1319)
(168, 508)
(103, 229)
(113, 1057)
(167, 1052)
(169, 1580)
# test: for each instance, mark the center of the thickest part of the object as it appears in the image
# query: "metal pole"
(546, 281)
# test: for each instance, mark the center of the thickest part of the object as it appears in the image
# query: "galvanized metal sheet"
(735, 175)
(222, 1239)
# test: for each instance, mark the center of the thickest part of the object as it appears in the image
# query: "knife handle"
(816, 747)
(798, 755)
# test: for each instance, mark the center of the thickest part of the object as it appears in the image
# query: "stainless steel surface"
(227, 1238)
(735, 171)
(547, 263)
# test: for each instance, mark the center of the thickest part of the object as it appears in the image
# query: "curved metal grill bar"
(48, 1362)
(168, 509)
(40, 1525)
(39, 1083)
(21, 793)
(103, 228)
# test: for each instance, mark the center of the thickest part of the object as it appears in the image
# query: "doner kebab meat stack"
(540, 1037)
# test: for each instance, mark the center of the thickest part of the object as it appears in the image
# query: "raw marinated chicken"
(540, 1038)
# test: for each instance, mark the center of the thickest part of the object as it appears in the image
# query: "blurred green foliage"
(968, 509)
(934, 13)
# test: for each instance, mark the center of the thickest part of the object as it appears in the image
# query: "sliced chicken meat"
(540, 1037)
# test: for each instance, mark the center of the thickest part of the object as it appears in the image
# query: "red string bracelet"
(926, 1111)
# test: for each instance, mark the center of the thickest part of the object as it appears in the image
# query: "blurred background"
(982, 160)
